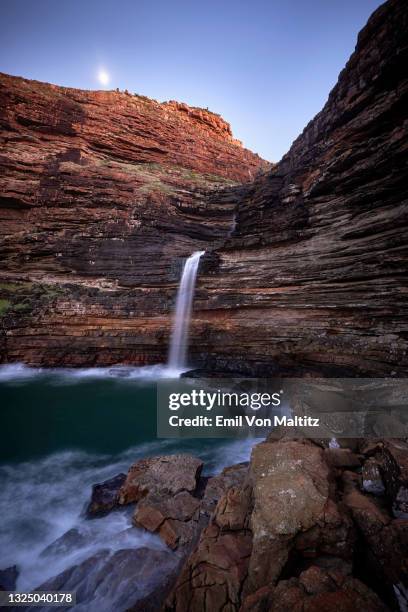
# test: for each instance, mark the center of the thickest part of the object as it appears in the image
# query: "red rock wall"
(311, 280)
(101, 196)
(315, 276)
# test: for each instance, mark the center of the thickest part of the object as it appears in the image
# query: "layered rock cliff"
(103, 193)
(315, 275)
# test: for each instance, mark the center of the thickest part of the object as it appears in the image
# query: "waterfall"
(184, 304)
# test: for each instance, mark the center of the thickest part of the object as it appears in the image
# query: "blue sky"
(266, 66)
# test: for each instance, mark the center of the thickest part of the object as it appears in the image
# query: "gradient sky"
(266, 66)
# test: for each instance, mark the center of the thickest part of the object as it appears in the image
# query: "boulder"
(105, 496)
(115, 581)
(8, 578)
(175, 519)
(290, 489)
(168, 474)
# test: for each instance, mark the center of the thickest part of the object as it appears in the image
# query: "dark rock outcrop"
(105, 496)
(8, 578)
(106, 581)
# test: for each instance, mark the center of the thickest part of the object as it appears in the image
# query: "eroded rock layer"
(306, 266)
(101, 196)
(315, 275)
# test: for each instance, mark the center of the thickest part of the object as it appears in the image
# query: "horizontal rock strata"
(103, 194)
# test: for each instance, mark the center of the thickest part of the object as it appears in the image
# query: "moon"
(103, 77)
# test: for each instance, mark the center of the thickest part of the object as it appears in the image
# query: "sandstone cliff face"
(101, 196)
(306, 266)
(314, 276)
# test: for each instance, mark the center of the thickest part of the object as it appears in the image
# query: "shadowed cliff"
(314, 277)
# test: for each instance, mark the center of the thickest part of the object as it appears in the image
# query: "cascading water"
(184, 304)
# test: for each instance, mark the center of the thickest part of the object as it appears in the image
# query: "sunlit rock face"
(102, 196)
(105, 193)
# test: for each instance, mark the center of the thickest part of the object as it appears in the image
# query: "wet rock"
(105, 496)
(394, 469)
(8, 578)
(175, 518)
(115, 581)
(169, 474)
(69, 541)
(371, 475)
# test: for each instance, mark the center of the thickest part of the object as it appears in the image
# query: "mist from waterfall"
(182, 317)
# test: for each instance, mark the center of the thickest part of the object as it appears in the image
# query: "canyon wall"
(314, 277)
(103, 194)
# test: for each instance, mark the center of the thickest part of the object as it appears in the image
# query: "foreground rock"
(316, 591)
(301, 533)
(105, 496)
(167, 475)
(8, 578)
(175, 518)
(284, 505)
(115, 581)
(213, 576)
(295, 529)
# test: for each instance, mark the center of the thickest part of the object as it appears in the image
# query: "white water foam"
(19, 372)
(41, 500)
